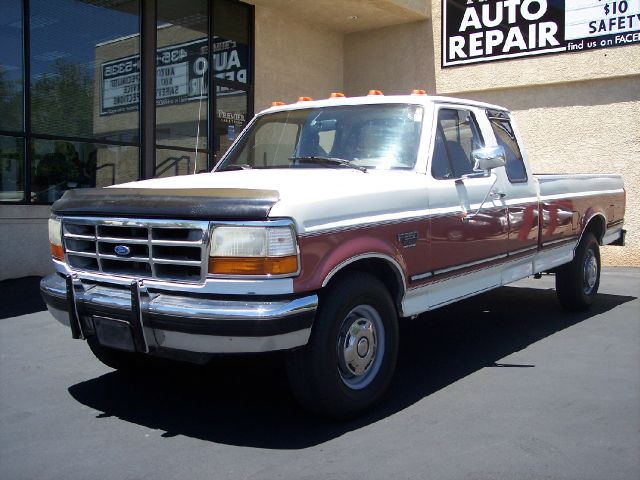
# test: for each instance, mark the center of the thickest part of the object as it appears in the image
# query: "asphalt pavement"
(502, 386)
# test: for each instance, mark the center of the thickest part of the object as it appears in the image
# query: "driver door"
(468, 225)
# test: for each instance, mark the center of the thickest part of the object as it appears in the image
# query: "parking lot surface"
(502, 386)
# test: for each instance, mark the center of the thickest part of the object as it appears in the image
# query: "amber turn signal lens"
(253, 265)
(57, 252)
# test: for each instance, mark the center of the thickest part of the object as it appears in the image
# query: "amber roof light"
(304, 99)
(418, 91)
(336, 95)
(277, 104)
(375, 92)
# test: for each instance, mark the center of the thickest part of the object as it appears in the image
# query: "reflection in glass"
(59, 165)
(231, 118)
(181, 73)
(11, 168)
(85, 68)
(11, 65)
(231, 40)
(178, 162)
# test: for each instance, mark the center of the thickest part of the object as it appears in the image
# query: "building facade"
(99, 92)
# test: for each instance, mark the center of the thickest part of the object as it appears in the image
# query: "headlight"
(55, 238)
(253, 251)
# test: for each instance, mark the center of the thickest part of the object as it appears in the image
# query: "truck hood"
(316, 199)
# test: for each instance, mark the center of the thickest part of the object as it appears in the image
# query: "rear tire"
(349, 361)
(577, 282)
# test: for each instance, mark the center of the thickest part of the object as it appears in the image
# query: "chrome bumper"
(161, 320)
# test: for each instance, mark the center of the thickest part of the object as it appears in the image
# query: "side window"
(457, 135)
(506, 137)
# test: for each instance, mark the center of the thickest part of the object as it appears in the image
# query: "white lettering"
(494, 38)
(470, 19)
(546, 34)
(526, 12)
(486, 17)
(514, 39)
(511, 5)
(456, 48)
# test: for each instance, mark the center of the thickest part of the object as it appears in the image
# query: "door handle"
(497, 194)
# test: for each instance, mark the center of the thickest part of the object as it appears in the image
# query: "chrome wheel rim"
(590, 272)
(360, 346)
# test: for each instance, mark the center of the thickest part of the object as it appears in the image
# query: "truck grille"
(153, 249)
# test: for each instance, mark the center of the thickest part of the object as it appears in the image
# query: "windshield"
(371, 136)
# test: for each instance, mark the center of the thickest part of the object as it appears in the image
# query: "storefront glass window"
(231, 41)
(231, 117)
(11, 90)
(182, 86)
(11, 168)
(85, 75)
(82, 123)
(60, 165)
(170, 162)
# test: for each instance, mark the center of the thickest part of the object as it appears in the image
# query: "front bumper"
(198, 324)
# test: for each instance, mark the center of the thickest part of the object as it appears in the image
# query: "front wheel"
(351, 356)
(577, 282)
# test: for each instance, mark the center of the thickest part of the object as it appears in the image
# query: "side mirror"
(488, 158)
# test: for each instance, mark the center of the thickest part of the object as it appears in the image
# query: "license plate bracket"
(114, 333)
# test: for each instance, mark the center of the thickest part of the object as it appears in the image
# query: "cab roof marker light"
(277, 104)
(336, 95)
(418, 91)
(305, 99)
(375, 92)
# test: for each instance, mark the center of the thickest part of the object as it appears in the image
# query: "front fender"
(323, 256)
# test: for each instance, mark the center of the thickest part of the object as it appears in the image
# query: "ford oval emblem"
(122, 250)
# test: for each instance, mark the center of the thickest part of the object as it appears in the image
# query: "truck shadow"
(245, 400)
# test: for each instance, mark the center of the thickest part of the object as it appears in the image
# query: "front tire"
(577, 282)
(349, 361)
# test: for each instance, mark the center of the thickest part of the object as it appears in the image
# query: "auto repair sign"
(486, 30)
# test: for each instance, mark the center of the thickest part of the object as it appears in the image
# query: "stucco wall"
(294, 59)
(24, 241)
(393, 59)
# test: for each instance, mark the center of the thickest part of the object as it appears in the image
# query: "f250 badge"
(122, 250)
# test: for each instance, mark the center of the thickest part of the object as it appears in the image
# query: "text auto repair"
(484, 30)
(483, 16)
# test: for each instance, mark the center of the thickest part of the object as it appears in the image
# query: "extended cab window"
(457, 135)
(506, 137)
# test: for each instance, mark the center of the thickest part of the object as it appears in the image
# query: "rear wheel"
(577, 282)
(350, 359)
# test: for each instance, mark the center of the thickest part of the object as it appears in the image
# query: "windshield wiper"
(234, 166)
(328, 161)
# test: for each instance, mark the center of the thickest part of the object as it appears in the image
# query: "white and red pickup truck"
(324, 223)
